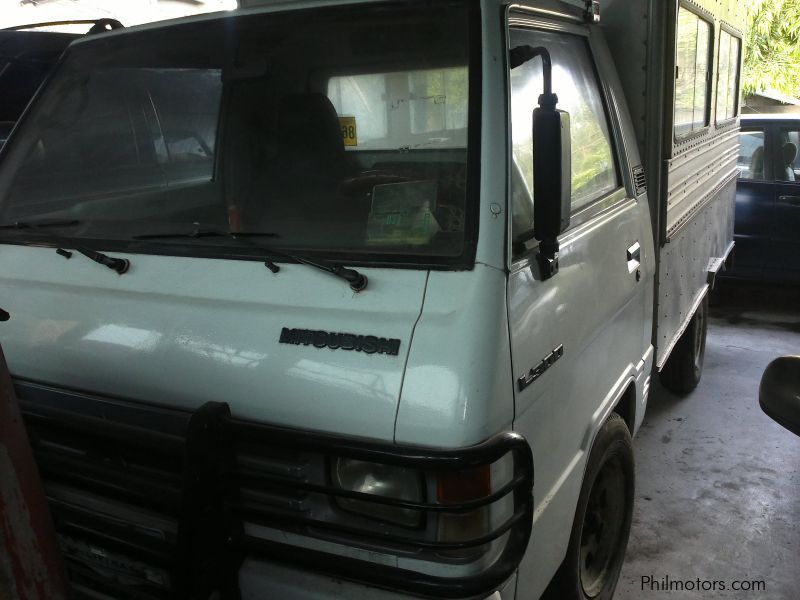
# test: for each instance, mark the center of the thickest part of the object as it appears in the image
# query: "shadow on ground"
(718, 483)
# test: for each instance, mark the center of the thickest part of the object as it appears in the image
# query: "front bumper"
(151, 502)
(261, 580)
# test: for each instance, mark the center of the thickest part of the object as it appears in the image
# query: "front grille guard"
(203, 494)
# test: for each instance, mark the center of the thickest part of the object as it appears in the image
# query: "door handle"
(792, 200)
(634, 252)
(633, 255)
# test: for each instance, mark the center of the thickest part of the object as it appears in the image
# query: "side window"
(133, 129)
(691, 73)
(751, 155)
(728, 76)
(594, 172)
(187, 104)
(788, 167)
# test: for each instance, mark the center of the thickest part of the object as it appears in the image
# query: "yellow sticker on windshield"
(349, 131)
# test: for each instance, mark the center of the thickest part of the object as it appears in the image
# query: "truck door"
(577, 337)
(782, 262)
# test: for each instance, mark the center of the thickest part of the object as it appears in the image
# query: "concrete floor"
(718, 482)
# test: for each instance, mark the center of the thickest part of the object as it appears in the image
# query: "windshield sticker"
(349, 130)
(403, 213)
(368, 344)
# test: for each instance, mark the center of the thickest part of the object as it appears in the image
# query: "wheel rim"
(602, 527)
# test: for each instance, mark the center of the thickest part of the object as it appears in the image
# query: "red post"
(30, 562)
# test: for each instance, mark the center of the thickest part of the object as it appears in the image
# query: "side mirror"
(552, 173)
(552, 165)
(779, 392)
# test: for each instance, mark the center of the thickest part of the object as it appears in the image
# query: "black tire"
(602, 521)
(684, 366)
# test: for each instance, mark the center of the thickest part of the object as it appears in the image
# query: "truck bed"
(691, 179)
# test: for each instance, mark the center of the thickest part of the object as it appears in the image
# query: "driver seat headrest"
(311, 123)
(789, 155)
(757, 163)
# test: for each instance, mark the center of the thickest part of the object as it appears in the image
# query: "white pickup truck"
(363, 299)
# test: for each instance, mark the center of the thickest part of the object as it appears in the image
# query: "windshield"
(340, 130)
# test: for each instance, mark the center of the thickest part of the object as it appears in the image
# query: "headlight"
(399, 483)
(432, 522)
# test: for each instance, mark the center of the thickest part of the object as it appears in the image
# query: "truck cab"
(325, 300)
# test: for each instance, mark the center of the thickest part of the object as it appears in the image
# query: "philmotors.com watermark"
(651, 583)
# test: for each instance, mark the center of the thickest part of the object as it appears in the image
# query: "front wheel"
(602, 520)
(684, 366)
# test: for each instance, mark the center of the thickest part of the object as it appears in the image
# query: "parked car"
(767, 226)
(27, 55)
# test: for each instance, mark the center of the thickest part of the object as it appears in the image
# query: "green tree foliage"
(772, 47)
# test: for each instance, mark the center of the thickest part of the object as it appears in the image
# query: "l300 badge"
(539, 369)
(369, 344)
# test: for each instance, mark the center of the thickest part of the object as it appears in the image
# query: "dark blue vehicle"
(767, 227)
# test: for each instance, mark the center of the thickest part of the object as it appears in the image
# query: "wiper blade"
(357, 281)
(201, 233)
(40, 224)
(120, 265)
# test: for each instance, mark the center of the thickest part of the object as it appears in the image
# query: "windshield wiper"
(201, 233)
(357, 281)
(40, 224)
(120, 265)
